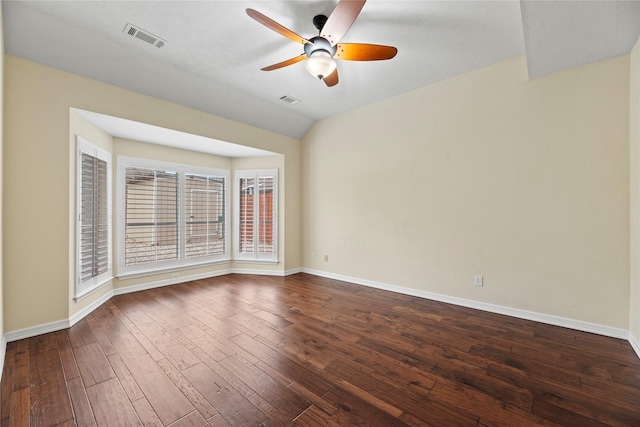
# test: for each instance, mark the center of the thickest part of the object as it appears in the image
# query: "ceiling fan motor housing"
(319, 43)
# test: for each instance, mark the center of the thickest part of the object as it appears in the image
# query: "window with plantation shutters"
(151, 216)
(94, 218)
(256, 215)
(205, 219)
(170, 216)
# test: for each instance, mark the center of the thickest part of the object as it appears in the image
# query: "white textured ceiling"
(214, 51)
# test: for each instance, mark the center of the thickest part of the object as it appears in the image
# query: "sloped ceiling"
(214, 51)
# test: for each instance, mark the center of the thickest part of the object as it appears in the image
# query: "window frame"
(124, 271)
(255, 256)
(88, 286)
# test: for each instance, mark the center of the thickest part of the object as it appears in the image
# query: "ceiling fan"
(321, 50)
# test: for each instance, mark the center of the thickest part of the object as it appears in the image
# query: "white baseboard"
(266, 272)
(3, 352)
(37, 330)
(183, 279)
(257, 272)
(167, 282)
(635, 344)
(493, 308)
(88, 309)
(293, 271)
(58, 325)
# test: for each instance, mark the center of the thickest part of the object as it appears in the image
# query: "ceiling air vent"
(289, 99)
(143, 35)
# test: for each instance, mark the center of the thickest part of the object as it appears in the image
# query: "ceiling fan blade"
(270, 23)
(341, 20)
(364, 52)
(285, 63)
(331, 79)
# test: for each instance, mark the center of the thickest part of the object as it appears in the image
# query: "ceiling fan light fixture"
(320, 64)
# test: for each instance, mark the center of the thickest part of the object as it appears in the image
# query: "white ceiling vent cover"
(289, 99)
(143, 35)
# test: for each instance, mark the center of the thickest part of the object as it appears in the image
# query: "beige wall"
(37, 169)
(1, 181)
(523, 182)
(634, 153)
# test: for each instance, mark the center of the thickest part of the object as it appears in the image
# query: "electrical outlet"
(313, 256)
(175, 275)
(478, 280)
(326, 258)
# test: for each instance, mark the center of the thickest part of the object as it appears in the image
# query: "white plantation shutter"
(265, 215)
(94, 217)
(256, 215)
(205, 215)
(246, 242)
(151, 216)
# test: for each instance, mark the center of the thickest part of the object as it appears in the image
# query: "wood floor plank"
(308, 377)
(165, 398)
(283, 399)
(318, 401)
(93, 364)
(111, 405)
(314, 417)
(169, 345)
(565, 397)
(214, 348)
(101, 337)
(66, 356)
(360, 407)
(81, 334)
(230, 347)
(301, 350)
(49, 398)
(218, 325)
(217, 421)
(83, 414)
(564, 416)
(127, 381)
(21, 364)
(500, 390)
(199, 402)
(275, 416)
(145, 413)
(437, 415)
(234, 382)
(469, 400)
(40, 344)
(6, 386)
(194, 419)
(20, 408)
(527, 363)
(232, 406)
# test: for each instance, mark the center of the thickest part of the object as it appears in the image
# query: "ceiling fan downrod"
(319, 21)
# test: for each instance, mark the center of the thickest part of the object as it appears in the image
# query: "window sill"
(255, 261)
(96, 288)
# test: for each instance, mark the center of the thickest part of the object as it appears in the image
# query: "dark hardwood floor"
(307, 351)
